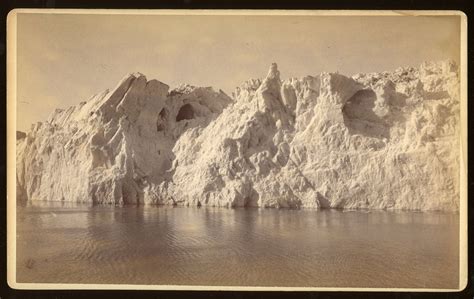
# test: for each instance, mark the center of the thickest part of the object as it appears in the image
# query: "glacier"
(386, 140)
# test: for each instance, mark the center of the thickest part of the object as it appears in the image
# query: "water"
(59, 243)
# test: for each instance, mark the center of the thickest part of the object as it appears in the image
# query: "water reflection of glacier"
(244, 247)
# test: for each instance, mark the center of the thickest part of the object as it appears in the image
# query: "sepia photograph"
(237, 150)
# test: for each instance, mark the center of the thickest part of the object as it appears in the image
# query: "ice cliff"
(378, 141)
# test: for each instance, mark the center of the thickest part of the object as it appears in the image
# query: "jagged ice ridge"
(373, 141)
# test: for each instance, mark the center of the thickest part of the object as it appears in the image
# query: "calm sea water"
(64, 243)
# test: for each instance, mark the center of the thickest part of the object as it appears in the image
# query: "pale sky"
(64, 59)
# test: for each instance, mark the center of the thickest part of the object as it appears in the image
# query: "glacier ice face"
(378, 141)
